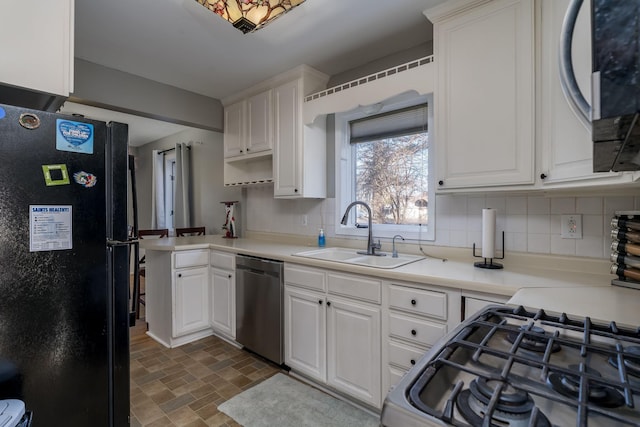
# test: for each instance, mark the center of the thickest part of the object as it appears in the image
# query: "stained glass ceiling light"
(249, 15)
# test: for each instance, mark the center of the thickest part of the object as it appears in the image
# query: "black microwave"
(615, 109)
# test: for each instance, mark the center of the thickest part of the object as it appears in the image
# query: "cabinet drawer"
(184, 259)
(419, 301)
(304, 277)
(355, 286)
(403, 355)
(419, 331)
(223, 260)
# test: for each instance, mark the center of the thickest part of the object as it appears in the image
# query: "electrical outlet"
(571, 227)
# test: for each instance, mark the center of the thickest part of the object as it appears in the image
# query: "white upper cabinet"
(38, 46)
(247, 126)
(299, 163)
(484, 98)
(259, 123)
(234, 129)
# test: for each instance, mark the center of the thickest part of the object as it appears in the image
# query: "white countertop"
(520, 272)
(612, 303)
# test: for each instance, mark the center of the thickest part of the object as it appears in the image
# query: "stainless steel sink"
(350, 256)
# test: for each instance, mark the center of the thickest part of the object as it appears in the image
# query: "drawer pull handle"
(413, 362)
(413, 302)
(414, 332)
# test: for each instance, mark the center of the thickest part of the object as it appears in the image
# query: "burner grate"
(573, 350)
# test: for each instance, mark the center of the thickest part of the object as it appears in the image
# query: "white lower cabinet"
(177, 296)
(332, 330)
(222, 303)
(191, 300)
(305, 332)
(353, 348)
(414, 320)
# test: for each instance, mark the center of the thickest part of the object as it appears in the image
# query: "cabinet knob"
(543, 176)
(413, 332)
(328, 303)
(247, 149)
(441, 182)
(229, 276)
(413, 302)
(320, 302)
(413, 362)
(295, 190)
(179, 274)
(242, 151)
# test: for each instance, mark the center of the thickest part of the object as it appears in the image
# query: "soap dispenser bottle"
(321, 241)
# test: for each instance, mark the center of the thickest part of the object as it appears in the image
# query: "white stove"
(507, 366)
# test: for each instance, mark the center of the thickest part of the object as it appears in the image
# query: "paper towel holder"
(490, 265)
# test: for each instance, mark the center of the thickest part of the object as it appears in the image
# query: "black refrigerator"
(64, 333)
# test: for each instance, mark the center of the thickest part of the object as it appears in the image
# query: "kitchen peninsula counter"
(522, 271)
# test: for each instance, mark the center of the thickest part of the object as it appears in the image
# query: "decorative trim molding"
(416, 75)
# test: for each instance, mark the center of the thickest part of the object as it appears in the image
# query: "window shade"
(396, 123)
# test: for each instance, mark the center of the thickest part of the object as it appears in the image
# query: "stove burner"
(599, 394)
(631, 359)
(514, 406)
(533, 343)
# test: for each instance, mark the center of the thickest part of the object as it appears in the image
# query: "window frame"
(345, 175)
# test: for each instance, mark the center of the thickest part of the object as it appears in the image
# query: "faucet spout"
(371, 247)
(394, 252)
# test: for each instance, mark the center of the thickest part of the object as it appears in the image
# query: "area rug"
(284, 402)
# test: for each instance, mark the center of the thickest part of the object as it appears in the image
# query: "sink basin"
(350, 256)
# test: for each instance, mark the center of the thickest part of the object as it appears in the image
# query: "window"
(383, 160)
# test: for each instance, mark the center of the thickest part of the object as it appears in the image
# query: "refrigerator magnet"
(86, 179)
(76, 137)
(50, 228)
(55, 175)
(29, 121)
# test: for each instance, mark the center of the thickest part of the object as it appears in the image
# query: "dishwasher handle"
(259, 265)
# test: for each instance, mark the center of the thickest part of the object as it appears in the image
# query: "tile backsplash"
(531, 223)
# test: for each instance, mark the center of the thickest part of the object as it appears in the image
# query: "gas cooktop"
(507, 366)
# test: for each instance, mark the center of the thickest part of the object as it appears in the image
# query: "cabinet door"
(259, 119)
(234, 129)
(305, 332)
(191, 300)
(287, 163)
(223, 301)
(353, 349)
(484, 105)
(49, 28)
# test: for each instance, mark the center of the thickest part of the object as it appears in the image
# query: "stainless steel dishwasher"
(259, 306)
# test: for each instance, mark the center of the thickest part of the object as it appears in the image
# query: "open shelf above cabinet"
(248, 170)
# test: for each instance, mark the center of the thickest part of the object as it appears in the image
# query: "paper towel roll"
(488, 233)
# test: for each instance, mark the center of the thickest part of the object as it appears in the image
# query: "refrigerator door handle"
(111, 242)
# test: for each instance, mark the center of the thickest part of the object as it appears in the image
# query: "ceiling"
(182, 44)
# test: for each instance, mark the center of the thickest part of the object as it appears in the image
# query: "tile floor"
(184, 386)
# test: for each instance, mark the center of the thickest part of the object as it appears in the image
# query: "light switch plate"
(571, 226)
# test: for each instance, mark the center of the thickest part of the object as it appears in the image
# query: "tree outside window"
(391, 175)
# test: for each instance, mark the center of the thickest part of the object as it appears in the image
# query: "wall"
(531, 223)
(108, 88)
(207, 168)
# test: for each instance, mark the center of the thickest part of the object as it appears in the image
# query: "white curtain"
(157, 190)
(182, 201)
